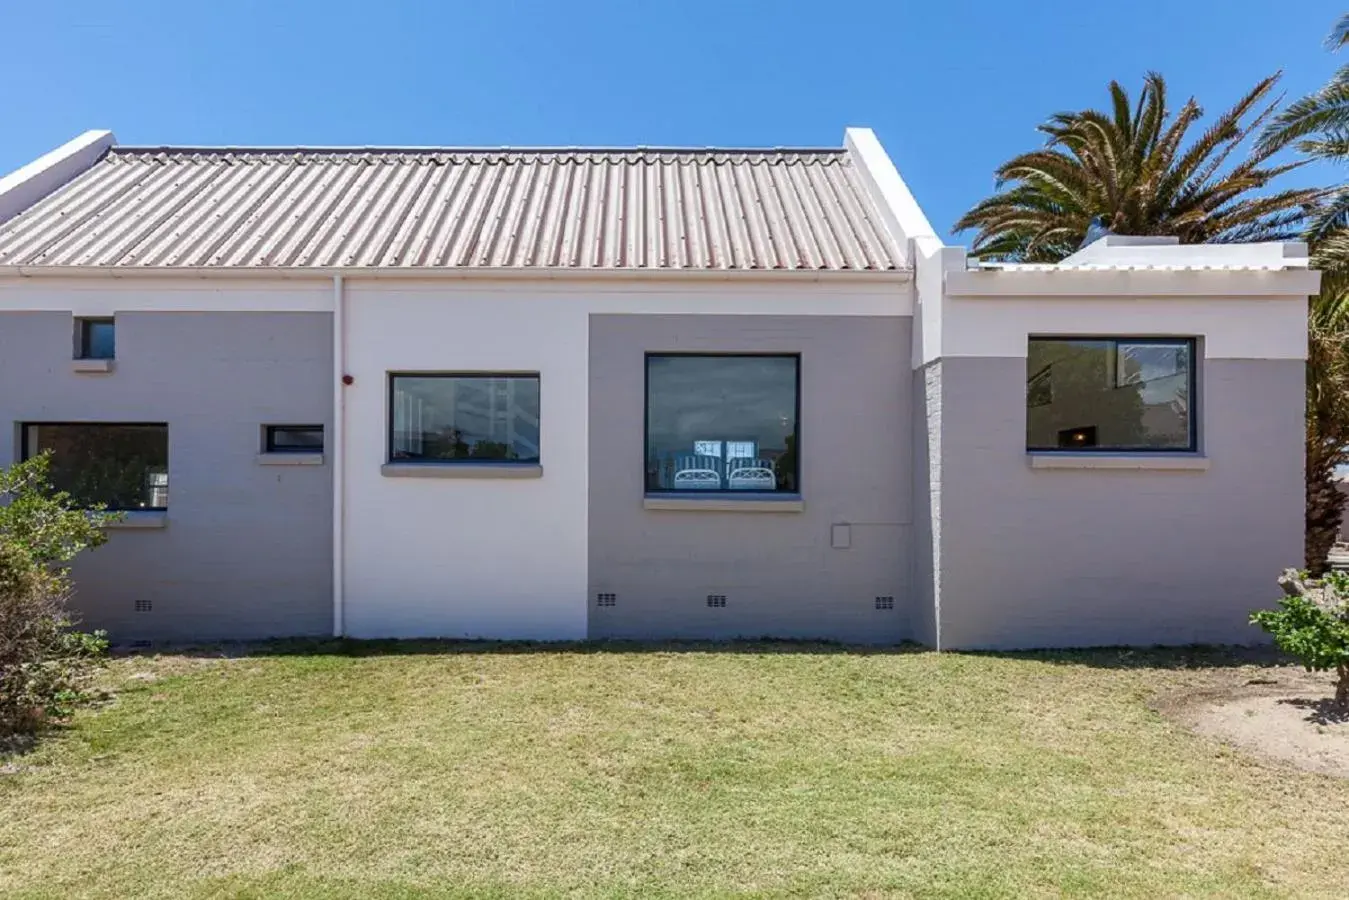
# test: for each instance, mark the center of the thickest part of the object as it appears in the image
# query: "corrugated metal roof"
(801, 210)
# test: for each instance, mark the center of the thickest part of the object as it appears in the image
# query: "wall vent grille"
(716, 600)
(144, 605)
(606, 599)
(885, 602)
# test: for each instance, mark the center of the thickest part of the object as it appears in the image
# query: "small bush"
(45, 664)
(1312, 624)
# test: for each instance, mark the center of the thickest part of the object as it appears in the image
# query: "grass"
(763, 770)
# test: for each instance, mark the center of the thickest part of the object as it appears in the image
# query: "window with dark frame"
(464, 418)
(95, 338)
(1110, 394)
(722, 423)
(120, 466)
(294, 439)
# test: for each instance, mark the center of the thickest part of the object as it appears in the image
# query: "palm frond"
(1324, 110)
(1137, 167)
(1339, 35)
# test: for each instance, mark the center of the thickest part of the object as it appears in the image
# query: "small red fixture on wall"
(347, 379)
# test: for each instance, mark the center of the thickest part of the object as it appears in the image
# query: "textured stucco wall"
(927, 460)
(247, 548)
(1036, 558)
(778, 570)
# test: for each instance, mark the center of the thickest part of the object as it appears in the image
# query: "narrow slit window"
(294, 439)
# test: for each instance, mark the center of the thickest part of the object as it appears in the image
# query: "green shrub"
(1312, 624)
(45, 664)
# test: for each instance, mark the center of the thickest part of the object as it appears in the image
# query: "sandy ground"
(1279, 713)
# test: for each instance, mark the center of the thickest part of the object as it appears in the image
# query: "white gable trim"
(25, 186)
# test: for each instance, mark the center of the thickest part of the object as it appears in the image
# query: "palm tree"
(1130, 167)
(1318, 127)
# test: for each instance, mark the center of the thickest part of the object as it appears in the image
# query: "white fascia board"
(1080, 283)
(27, 185)
(902, 216)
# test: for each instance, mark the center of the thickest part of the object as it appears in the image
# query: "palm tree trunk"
(1342, 686)
(1325, 503)
(1327, 437)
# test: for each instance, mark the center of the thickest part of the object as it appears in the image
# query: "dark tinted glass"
(465, 418)
(118, 466)
(721, 423)
(97, 339)
(1109, 394)
(294, 438)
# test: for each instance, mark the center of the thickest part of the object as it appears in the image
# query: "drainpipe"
(338, 456)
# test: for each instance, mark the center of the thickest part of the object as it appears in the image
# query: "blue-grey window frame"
(1192, 426)
(646, 423)
(388, 431)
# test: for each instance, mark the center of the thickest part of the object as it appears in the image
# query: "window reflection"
(1109, 394)
(722, 423)
(455, 418)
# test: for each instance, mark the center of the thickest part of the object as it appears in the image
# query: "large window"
(464, 418)
(122, 467)
(1103, 394)
(722, 423)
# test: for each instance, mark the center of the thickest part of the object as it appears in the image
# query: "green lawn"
(758, 769)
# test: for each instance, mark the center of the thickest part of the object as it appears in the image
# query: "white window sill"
(141, 518)
(460, 470)
(92, 366)
(290, 459)
(751, 503)
(1178, 462)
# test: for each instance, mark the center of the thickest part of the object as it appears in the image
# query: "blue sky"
(951, 87)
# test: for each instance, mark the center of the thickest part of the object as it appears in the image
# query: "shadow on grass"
(1188, 657)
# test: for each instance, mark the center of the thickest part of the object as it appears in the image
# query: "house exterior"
(568, 394)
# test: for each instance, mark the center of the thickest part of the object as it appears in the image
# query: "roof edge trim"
(904, 218)
(883, 276)
(28, 184)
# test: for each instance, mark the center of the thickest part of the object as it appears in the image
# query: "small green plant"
(1312, 624)
(44, 663)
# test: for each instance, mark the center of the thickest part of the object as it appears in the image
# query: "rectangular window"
(465, 418)
(722, 423)
(294, 439)
(95, 339)
(122, 467)
(1110, 394)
